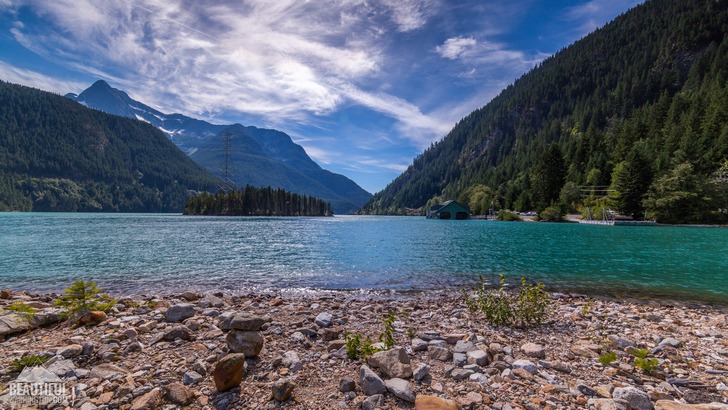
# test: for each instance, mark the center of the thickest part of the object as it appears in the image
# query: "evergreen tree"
(548, 177)
(631, 179)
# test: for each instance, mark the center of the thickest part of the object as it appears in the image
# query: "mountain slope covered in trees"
(56, 155)
(633, 116)
(258, 157)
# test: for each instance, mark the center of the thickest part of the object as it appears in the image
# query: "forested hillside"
(56, 155)
(634, 116)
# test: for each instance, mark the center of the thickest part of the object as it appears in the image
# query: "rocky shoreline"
(261, 351)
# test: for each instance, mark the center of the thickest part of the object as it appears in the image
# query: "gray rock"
(671, 342)
(62, 368)
(190, 296)
(346, 385)
(131, 334)
(70, 351)
(534, 350)
(393, 363)
(242, 321)
(283, 389)
(637, 399)
(429, 335)
(249, 343)
(370, 383)
(438, 343)
(192, 377)
(462, 346)
(181, 332)
(88, 406)
(421, 371)
(586, 390)
(619, 342)
(401, 388)
(478, 357)
(608, 404)
(104, 371)
(82, 373)
(211, 300)
(461, 374)
(439, 353)
(323, 319)
(292, 362)
(12, 323)
(525, 365)
(179, 312)
(373, 402)
(419, 345)
(47, 316)
(88, 348)
(459, 359)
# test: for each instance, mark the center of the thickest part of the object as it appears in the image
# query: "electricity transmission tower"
(227, 173)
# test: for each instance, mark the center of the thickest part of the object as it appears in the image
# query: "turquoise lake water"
(139, 253)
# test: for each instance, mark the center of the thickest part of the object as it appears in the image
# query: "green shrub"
(529, 306)
(642, 362)
(508, 216)
(387, 337)
(607, 358)
(34, 360)
(551, 214)
(358, 349)
(646, 365)
(21, 307)
(84, 296)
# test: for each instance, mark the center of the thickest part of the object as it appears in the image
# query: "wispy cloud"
(411, 14)
(282, 60)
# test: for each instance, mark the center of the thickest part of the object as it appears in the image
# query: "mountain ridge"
(275, 160)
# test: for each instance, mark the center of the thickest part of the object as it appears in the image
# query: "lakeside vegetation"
(252, 201)
(633, 117)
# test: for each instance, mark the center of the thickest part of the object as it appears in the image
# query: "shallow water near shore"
(138, 253)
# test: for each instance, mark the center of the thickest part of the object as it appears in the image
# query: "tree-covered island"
(252, 201)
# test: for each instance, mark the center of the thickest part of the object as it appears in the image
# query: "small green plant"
(84, 296)
(21, 307)
(411, 333)
(640, 353)
(607, 358)
(19, 364)
(644, 363)
(387, 337)
(356, 348)
(529, 306)
(586, 309)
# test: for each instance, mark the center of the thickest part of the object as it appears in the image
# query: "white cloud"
(454, 48)
(282, 60)
(411, 15)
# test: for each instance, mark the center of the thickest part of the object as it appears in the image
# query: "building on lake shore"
(449, 210)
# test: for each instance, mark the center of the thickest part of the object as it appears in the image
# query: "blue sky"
(363, 85)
